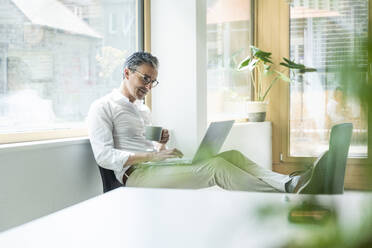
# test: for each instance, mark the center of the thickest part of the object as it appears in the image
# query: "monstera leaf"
(261, 55)
(300, 67)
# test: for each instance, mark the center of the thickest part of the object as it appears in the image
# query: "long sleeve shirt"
(116, 131)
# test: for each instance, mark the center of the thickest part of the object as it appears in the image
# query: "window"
(78, 11)
(54, 64)
(320, 31)
(113, 23)
(229, 35)
(75, 9)
(128, 21)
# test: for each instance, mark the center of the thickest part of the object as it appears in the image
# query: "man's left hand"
(164, 136)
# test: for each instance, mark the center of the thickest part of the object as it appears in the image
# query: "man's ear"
(126, 73)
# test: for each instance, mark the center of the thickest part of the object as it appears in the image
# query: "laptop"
(209, 147)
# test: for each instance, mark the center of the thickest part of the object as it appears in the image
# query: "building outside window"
(56, 58)
(321, 32)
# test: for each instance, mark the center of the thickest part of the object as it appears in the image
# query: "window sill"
(23, 137)
(241, 123)
(22, 146)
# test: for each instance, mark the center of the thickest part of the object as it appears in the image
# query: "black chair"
(330, 167)
(109, 180)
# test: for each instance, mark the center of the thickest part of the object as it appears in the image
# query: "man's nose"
(148, 86)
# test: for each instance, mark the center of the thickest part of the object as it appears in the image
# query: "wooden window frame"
(272, 34)
(147, 39)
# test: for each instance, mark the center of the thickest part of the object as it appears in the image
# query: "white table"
(136, 217)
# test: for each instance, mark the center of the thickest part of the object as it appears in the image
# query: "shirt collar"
(117, 96)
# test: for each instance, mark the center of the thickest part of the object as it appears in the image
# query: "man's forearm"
(142, 157)
(139, 158)
(161, 147)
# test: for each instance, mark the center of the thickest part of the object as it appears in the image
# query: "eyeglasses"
(147, 79)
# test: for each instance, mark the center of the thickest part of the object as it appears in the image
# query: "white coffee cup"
(153, 133)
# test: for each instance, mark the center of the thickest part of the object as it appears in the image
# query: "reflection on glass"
(228, 40)
(57, 56)
(321, 31)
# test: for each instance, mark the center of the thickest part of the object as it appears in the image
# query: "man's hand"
(164, 136)
(164, 154)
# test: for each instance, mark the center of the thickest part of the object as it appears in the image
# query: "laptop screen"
(213, 140)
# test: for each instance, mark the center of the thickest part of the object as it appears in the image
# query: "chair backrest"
(109, 180)
(329, 168)
(339, 144)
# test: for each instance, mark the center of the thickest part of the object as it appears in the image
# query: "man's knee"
(217, 159)
(218, 162)
(228, 155)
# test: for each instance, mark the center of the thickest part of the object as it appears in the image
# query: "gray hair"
(140, 58)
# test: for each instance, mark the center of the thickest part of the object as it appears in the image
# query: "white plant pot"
(237, 109)
(256, 110)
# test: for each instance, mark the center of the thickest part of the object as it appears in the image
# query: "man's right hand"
(165, 154)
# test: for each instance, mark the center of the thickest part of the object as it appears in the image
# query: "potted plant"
(260, 65)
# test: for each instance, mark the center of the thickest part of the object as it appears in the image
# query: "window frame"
(146, 37)
(285, 148)
(272, 20)
(19, 137)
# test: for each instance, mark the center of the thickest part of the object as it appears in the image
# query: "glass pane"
(57, 56)
(228, 40)
(319, 31)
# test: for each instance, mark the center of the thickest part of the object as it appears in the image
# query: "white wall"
(36, 180)
(39, 179)
(254, 140)
(178, 40)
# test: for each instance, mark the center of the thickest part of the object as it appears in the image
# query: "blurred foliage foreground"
(322, 226)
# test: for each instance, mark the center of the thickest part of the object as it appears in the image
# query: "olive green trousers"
(229, 170)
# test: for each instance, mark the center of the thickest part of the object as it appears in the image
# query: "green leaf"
(287, 60)
(267, 60)
(283, 77)
(264, 56)
(252, 64)
(268, 73)
(256, 50)
(244, 63)
(267, 69)
(292, 65)
(308, 69)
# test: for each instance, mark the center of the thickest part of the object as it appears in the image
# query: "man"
(116, 130)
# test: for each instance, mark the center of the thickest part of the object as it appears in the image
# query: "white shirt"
(116, 130)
